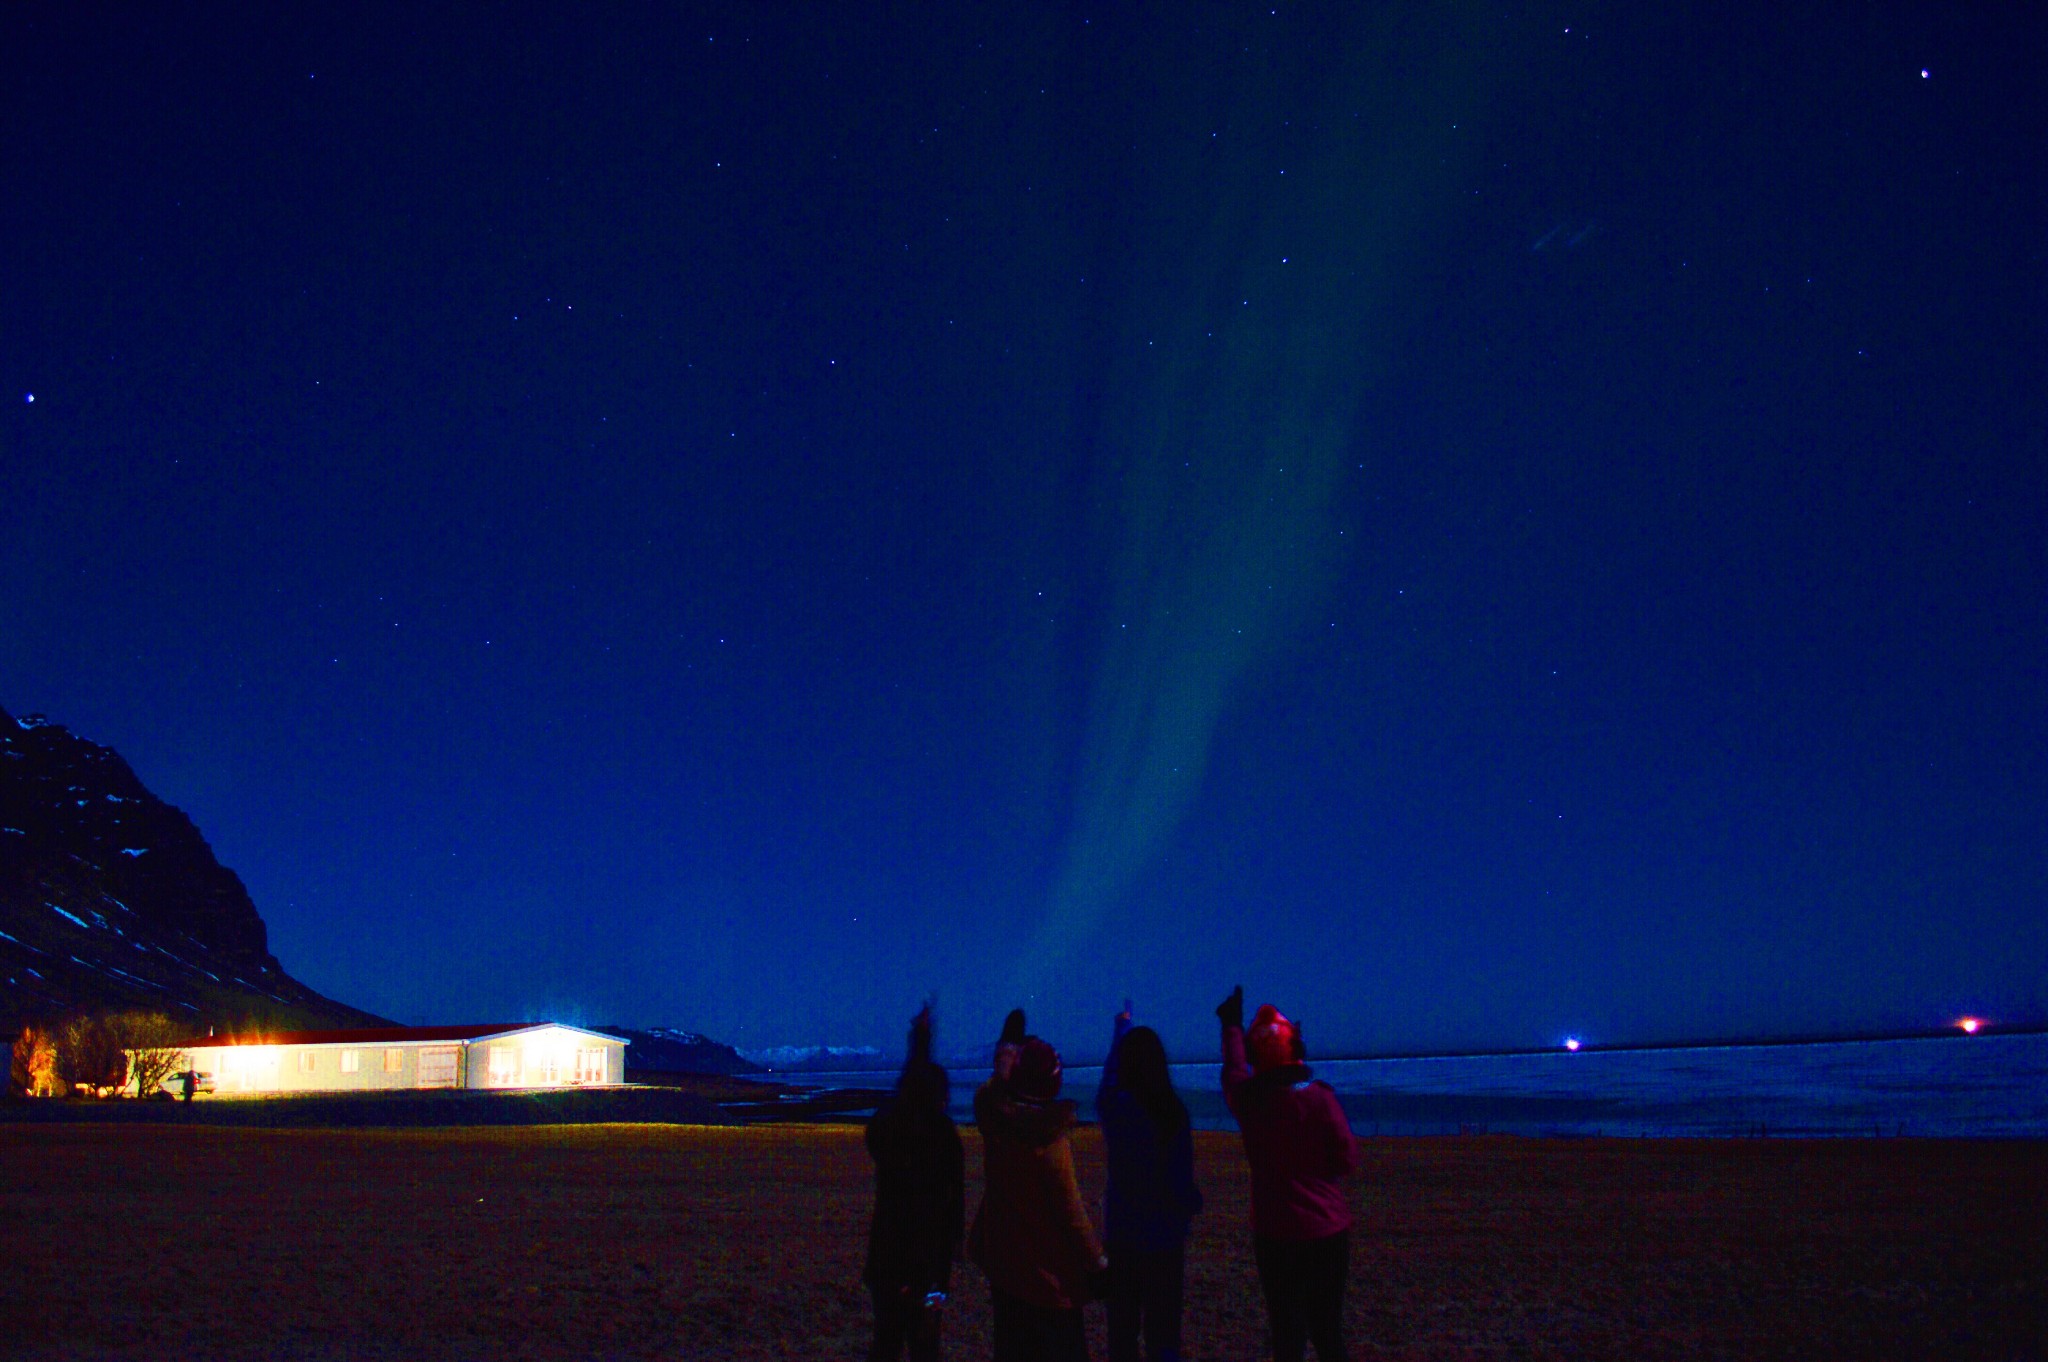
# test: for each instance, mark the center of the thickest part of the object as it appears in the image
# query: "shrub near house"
(150, 1044)
(95, 1054)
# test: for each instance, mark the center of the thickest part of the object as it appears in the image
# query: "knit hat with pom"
(1272, 1040)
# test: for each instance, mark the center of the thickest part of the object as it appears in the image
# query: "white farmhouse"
(514, 1055)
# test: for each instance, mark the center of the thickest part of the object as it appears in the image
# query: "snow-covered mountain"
(110, 899)
(820, 1058)
(667, 1049)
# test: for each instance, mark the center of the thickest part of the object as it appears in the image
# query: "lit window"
(590, 1066)
(504, 1064)
(306, 1061)
(394, 1061)
(351, 1060)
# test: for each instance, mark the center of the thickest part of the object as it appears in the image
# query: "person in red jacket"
(1301, 1149)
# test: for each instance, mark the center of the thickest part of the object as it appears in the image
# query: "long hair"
(1141, 1068)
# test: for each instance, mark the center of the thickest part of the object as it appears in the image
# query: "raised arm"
(1235, 1070)
(1007, 1043)
(921, 1035)
(1112, 1063)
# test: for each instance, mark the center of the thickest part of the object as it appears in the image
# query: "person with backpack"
(920, 1205)
(1301, 1150)
(1032, 1236)
(1151, 1196)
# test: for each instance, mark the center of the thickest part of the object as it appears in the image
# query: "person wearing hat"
(920, 1205)
(1301, 1149)
(1031, 1235)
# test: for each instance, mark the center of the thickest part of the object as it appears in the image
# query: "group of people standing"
(1032, 1236)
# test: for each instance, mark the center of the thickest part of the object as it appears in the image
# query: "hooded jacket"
(1031, 1235)
(1298, 1142)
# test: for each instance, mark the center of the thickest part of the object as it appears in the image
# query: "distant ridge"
(110, 900)
(1950, 1032)
(665, 1049)
(797, 1059)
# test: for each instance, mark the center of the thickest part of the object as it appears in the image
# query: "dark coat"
(920, 1199)
(1151, 1194)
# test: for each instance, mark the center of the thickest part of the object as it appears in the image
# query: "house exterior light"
(521, 1055)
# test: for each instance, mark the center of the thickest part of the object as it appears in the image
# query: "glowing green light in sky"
(1234, 418)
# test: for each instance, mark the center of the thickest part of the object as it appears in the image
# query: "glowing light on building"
(1571, 1043)
(1970, 1025)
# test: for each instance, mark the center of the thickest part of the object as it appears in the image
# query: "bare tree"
(89, 1053)
(155, 1046)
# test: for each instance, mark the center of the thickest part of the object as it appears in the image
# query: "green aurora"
(1260, 313)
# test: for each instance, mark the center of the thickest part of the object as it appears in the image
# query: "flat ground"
(149, 1241)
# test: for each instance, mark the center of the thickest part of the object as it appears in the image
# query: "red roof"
(378, 1035)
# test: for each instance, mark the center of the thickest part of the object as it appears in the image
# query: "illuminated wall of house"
(544, 1056)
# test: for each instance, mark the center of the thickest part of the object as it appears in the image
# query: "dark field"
(161, 1241)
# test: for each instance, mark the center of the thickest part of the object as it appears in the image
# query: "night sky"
(739, 517)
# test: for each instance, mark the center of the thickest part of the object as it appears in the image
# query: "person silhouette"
(1151, 1196)
(1300, 1148)
(1031, 1236)
(920, 1205)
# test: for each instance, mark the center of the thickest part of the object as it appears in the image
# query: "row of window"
(504, 1064)
(352, 1061)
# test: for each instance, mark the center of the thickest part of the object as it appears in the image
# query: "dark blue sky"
(738, 517)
